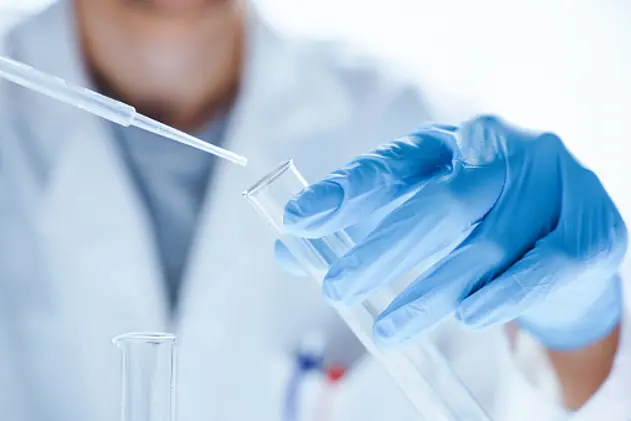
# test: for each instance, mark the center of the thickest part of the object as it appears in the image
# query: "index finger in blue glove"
(370, 182)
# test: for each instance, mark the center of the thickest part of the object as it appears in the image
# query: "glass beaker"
(148, 368)
(420, 370)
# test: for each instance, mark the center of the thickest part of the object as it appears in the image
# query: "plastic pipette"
(102, 106)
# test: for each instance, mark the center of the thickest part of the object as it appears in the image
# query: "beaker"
(420, 370)
(148, 368)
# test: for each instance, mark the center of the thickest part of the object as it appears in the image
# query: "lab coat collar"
(49, 42)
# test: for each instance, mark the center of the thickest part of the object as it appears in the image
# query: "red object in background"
(335, 373)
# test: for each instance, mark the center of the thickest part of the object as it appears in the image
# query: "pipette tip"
(153, 126)
(241, 160)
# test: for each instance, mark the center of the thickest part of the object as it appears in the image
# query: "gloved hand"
(538, 240)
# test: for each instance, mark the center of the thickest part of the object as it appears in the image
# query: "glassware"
(148, 366)
(419, 369)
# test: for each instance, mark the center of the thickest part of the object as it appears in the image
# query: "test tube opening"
(147, 337)
(269, 195)
(268, 179)
(148, 361)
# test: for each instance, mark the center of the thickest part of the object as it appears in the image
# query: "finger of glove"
(416, 234)
(513, 292)
(436, 294)
(286, 260)
(368, 183)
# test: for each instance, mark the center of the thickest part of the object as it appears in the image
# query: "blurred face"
(162, 53)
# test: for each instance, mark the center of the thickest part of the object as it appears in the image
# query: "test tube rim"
(272, 176)
(149, 337)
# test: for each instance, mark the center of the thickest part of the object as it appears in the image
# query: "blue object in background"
(305, 363)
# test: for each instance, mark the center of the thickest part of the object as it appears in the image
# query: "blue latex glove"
(542, 239)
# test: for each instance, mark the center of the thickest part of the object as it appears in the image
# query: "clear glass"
(419, 369)
(148, 365)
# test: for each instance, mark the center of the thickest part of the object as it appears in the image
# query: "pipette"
(102, 106)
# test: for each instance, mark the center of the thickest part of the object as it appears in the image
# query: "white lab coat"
(78, 265)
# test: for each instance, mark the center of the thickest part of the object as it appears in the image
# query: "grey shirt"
(172, 180)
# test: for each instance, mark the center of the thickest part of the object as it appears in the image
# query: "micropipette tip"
(153, 126)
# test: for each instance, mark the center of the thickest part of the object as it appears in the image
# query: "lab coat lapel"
(103, 272)
(88, 189)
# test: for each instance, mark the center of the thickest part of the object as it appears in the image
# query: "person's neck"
(189, 89)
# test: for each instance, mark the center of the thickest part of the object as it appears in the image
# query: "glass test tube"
(420, 370)
(148, 366)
